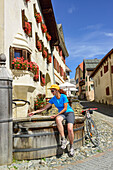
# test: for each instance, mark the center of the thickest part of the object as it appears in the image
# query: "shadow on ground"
(102, 108)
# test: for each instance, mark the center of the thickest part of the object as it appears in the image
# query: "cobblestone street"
(102, 161)
(85, 158)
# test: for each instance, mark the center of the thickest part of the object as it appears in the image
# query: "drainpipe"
(52, 48)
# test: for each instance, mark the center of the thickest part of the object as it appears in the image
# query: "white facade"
(12, 35)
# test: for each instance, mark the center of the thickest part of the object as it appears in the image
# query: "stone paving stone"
(101, 162)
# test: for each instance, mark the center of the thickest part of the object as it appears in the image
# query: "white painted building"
(17, 40)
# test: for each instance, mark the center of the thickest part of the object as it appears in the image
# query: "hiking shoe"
(64, 143)
(71, 151)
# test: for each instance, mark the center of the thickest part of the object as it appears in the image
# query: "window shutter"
(101, 73)
(107, 91)
(111, 69)
(11, 57)
(24, 54)
(30, 34)
(23, 18)
(105, 68)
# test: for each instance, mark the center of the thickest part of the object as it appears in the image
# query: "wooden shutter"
(101, 73)
(30, 34)
(11, 55)
(105, 68)
(23, 18)
(24, 54)
(107, 91)
(111, 69)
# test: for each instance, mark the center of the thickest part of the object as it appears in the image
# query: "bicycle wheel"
(92, 131)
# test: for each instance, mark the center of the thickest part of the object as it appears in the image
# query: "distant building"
(88, 67)
(80, 81)
(103, 79)
(73, 91)
(68, 73)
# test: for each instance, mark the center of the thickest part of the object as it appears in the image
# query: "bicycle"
(90, 126)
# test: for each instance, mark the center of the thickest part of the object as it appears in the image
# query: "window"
(18, 52)
(90, 79)
(86, 79)
(92, 86)
(107, 91)
(27, 26)
(111, 69)
(89, 88)
(76, 81)
(101, 73)
(105, 68)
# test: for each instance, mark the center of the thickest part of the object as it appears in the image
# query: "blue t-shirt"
(59, 103)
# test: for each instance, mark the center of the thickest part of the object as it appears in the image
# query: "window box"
(38, 17)
(44, 28)
(48, 37)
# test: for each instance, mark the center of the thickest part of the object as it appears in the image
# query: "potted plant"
(27, 28)
(38, 17)
(33, 67)
(39, 101)
(36, 77)
(42, 81)
(48, 37)
(44, 53)
(19, 63)
(44, 28)
(39, 45)
(49, 59)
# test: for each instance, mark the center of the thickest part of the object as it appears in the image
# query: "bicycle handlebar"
(89, 109)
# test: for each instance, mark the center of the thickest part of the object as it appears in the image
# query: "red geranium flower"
(44, 53)
(48, 37)
(27, 28)
(38, 17)
(49, 59)
(39, 45)
(44, 28)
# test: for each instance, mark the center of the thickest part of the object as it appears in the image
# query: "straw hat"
(55, 86)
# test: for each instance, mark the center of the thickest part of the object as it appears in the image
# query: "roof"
(49, 18)
(81, 66)
(61, 38)
(101, 62)
(67, 69)
(91, 63)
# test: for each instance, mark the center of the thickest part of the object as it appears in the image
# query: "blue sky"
(87, 27)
